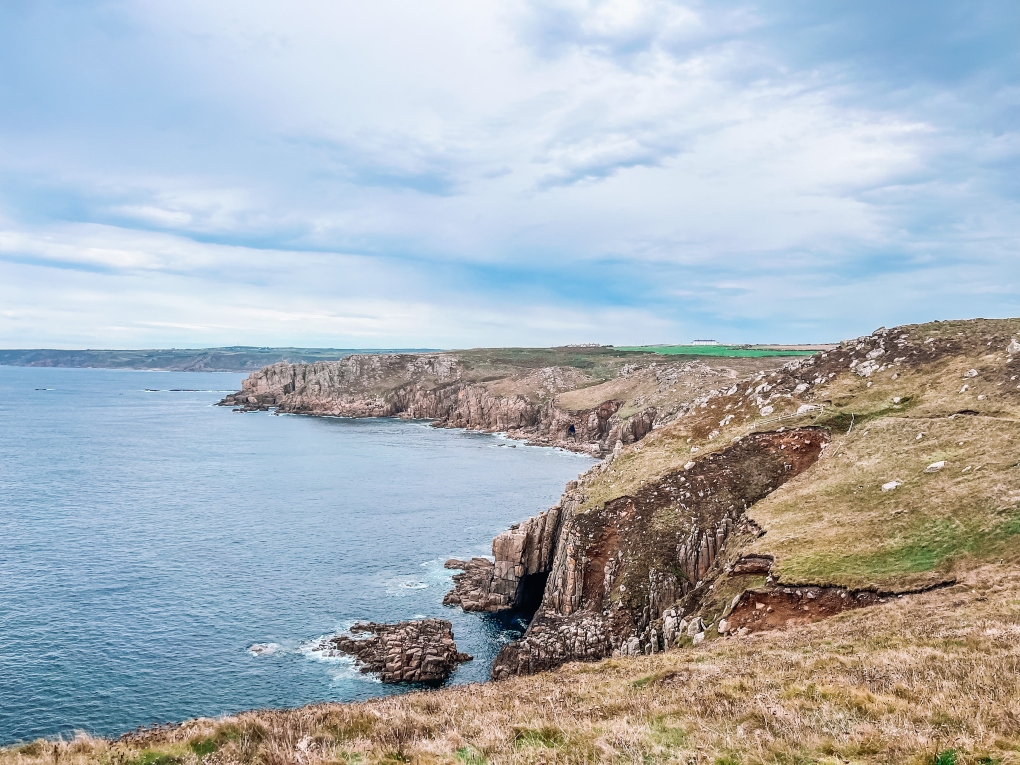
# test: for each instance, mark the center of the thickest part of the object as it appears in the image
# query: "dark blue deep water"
(149, 539)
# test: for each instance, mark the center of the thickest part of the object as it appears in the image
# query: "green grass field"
(711, 350)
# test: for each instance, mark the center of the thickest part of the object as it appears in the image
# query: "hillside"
(813, 562)
(919, 680)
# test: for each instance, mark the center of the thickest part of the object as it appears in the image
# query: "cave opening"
(529, 593)
(529, 597)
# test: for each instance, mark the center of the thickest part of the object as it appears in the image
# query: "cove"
(164, 558)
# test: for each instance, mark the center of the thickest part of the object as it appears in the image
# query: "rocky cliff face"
(643, 552)
(440, 388)
(618, 569)
(516, 579)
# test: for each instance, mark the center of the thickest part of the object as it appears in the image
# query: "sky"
(460, 173)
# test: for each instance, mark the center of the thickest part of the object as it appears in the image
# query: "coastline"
(235, 531)
(714, 586)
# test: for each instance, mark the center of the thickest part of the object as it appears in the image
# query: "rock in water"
(420, 651)
(525, 549)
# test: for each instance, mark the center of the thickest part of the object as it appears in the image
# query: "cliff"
(670, 539)
(608, 575)
(583, 401)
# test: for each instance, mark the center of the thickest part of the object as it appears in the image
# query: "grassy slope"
(714, 350)
(834, 524)
(838, 526)
(689, 379)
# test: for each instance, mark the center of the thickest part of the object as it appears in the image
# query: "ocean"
(162, 558)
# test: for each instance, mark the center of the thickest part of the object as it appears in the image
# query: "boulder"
(731, 605)
(753, 564)
(669, 624)
(697, 625)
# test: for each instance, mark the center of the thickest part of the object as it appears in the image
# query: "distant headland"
(234, 358)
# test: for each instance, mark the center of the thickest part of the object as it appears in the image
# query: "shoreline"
(430, 423)
(410, 444)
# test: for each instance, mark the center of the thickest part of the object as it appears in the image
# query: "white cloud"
(586, 161)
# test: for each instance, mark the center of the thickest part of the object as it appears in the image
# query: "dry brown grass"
(640, 385)
(897, 683)
(670, 385)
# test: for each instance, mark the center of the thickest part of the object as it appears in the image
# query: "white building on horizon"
(705, 342)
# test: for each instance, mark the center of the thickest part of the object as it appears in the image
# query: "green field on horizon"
(711, 350)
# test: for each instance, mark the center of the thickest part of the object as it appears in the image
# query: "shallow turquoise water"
(149, 539)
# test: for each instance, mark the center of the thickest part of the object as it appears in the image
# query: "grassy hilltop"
(916, 500)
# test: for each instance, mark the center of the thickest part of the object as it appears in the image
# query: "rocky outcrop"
(516, 579)
(420, 651)
(437, 387)
(617, 569)
(382, 385)
(752, 565)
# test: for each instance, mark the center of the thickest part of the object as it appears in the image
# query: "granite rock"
(421, 651)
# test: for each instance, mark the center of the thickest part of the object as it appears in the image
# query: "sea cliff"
(585, 402)
(640, 556)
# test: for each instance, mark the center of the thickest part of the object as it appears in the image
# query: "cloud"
(603, 168)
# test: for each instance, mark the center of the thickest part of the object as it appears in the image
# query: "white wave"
(341, 666)
(264, 649)
(405, 585)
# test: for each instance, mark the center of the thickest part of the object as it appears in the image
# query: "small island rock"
(420, 651)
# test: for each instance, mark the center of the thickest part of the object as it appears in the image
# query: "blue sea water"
(148, 540)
